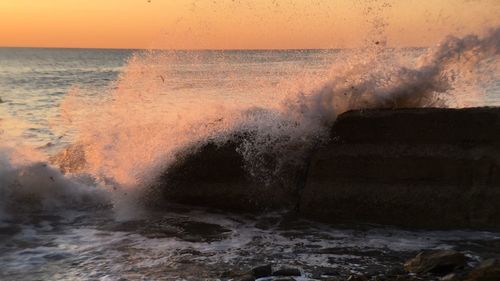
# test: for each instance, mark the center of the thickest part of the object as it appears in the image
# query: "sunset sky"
(238, 24)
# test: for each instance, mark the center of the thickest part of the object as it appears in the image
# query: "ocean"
(132, 111)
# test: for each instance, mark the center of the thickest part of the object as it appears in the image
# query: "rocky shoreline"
(439, 265)
(427, 168)
(419, 168)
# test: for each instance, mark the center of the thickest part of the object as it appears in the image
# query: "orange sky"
(237, 24)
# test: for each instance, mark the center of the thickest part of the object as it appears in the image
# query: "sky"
(239, 24)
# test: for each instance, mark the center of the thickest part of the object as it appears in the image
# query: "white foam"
(28, 184)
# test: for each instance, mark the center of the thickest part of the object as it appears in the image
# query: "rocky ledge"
(431, 168)
(428, 168)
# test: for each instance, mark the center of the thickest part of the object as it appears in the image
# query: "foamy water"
(131, 112)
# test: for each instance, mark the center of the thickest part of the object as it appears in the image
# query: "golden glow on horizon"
(236, 24)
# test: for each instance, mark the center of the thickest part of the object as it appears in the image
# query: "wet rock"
(330, 272)
(429, 168)
(426, 167)
(401, 278)
(245, 278)
(287, 271)
(449, 277)
(235, 274)
(357, 278)
(262, 271)
(216, 175)
(436, 262)
(182, 227)
(395, 271)
(489, 270)
(9, 230)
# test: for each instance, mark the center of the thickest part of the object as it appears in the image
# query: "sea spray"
(29, 185)
(135, 133)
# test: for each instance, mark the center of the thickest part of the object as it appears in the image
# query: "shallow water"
(201, 244)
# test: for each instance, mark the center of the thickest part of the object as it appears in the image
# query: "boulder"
(487, 271)
(425, 168)
(422, 168)
(262, 271)
(436, 262)
(287, 271)
(214, 175)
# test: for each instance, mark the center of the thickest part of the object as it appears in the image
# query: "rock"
(488, 271)
(357, 278)
(395, 271)
(400, 278)
(262, 271)
(235, 274)
(284, 279)
(245, 278)
(428, 168)
(436, 262)
(215, 175)
(287, 271)
(330, 272)
(449, 277)
(414, 167)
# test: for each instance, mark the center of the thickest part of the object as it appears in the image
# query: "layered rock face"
(436, 168)
(430, 168)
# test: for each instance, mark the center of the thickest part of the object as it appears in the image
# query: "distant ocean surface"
(33, 82)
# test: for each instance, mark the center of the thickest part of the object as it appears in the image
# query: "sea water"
(132, 110)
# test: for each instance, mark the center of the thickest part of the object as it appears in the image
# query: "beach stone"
(287, 271)
(489, 270)
(436, 262)
(262, 271)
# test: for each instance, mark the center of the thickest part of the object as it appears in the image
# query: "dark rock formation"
(215, 176)
(287, 271)
(487, 271)
(436, 262)
(428, 167)
(432, 168)
(262, 271)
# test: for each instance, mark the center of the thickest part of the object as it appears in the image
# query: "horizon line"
(195, 49)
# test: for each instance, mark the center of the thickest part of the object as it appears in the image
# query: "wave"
(129, 138)
(29, 185)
